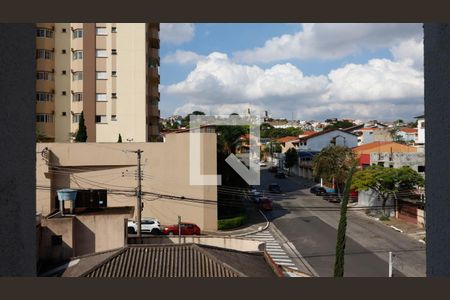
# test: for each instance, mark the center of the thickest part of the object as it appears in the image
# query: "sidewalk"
(410, 229)
(413, 230)
(255, 222)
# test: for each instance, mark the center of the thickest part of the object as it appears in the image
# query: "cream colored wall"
(130, 85)
(105, 232)
(165, 168)
(62, 82)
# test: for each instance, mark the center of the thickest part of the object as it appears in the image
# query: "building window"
(77, 97)
(101, 53)
(422, 125)
(101, 97)
(100, 119)
(114, 73)
(44, 32)
(42, 96)
(44, 118)
(64, 93)
(101, 75)
(77, 76)
(76, 118)
(63, 51)
(44, 76)
(113, 51)
(78, 33)
(63, 113)
(44, 54)
(63, 72)
(113, 118)
(421, 169)
(64, 30)
(114, 29)
(78, 54)
(114, 95)
(101, 31)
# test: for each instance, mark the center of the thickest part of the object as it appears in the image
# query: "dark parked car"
(332, 197)
(186, 229)
(275, 188)
(318, 190)
(273, 169)
(265, 203)
(280, 175)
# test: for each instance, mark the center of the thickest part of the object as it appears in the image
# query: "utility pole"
(139, 193)
(179, 230)
(390, 263)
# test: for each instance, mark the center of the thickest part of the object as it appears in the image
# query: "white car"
(148, 225)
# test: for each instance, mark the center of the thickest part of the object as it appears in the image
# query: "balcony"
(153, 75)
(153, 111)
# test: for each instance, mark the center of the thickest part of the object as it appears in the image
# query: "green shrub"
(231, 222)
(384, 218)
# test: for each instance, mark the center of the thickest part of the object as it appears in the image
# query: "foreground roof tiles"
(162, 261)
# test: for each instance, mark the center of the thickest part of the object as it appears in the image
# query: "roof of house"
(374, 145)
(287, 139)
(420, 117)
(408, 130)
(323, 132)
(308, 132)
(185, 260)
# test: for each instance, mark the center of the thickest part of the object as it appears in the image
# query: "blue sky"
(363, 71)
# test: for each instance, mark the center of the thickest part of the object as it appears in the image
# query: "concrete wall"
(109, 165)
(437, 107)
(370, 199)
(82, 234)
(57, 226)
(17, 140)
(398, 160)
(420, 131)
(239, 244)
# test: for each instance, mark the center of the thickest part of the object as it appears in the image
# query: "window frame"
(77, 55)
(105, 77)
(101, 51)
(101, 99)
(77, 33)
(101, 33)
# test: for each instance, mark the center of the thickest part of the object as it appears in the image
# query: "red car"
(265, 203)
(186, 229)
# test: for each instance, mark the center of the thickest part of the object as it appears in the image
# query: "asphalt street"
(310, 223)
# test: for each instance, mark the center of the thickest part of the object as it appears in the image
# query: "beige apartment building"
(113, 167)
(108, 71)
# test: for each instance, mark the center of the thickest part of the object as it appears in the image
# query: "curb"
(255, 231)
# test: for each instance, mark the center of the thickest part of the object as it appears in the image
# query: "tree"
(333, 163)
(395, 136)
(340, 125)
(386, 182)
(120, 139)
(185, 120)
(81, 135)
(291, 158)
(342, 228)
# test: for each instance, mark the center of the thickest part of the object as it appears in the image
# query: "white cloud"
(379, 89)
(409, 50)
(176, 33)
(182, 57)
(329, 41)
(377, 80)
